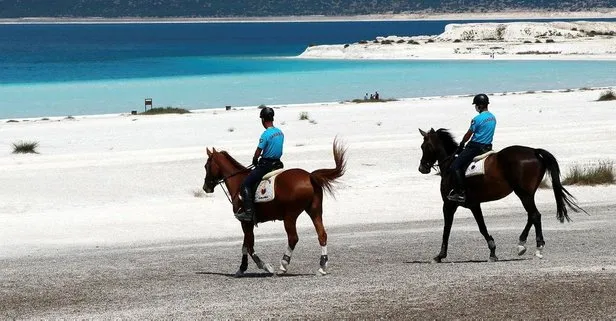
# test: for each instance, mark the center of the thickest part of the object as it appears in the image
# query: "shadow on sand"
(253, 275)
(469, 261)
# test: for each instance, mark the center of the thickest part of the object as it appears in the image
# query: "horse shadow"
(253, 275)
(468, 261)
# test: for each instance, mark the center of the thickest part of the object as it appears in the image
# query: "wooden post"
(148, 102)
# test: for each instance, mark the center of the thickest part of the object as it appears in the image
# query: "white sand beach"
(580, 40)
(108, 221)
(125, 179)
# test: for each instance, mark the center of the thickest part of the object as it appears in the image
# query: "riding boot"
(458, 193)
(247, 214)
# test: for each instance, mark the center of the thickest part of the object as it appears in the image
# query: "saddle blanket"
(265, 191)
(477, 166)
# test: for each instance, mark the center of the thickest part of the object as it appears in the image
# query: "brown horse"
(517, 169)
(296, 191)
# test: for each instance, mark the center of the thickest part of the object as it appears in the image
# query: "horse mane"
(449, 143)
(232, 160)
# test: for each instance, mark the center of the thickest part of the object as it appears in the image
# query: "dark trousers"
(264, 166)
(464, 159)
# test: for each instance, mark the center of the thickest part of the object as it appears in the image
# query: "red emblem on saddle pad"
(263, 191)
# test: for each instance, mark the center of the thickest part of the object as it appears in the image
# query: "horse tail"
(325, 177)
(562, 196)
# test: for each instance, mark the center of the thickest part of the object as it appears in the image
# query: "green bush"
(167, 110)
(304, 116)
(601, 173)
(25, 148)
(607, 95)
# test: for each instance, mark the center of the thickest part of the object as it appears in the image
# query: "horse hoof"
(268, 268)
(521, 249)
(239, 274)
(538, 254)
(436, 260)
(493, 259)
(321, 272)
(282, 269)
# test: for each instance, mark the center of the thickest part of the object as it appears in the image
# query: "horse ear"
(432, 130)
(213, 150)
(208, 152)
(422, 132)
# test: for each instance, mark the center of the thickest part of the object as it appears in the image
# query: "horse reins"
(222, 180)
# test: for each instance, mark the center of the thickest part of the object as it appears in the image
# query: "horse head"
(213, 172)
(429, 151)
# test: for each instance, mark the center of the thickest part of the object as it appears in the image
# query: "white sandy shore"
(589, 40)
(599, 13)
(105, 180)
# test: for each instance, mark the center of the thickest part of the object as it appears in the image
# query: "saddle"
(476, 167)
(265, 190)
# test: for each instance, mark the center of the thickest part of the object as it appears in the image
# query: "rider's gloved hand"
(460, 148)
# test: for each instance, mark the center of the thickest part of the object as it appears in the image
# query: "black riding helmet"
(267, 113)
(481, 99)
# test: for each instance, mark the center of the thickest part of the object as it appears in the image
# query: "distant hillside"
(262, 8)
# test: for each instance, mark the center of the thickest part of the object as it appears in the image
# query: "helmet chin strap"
(477, 109)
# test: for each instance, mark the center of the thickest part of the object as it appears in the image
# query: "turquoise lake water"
(75, 69)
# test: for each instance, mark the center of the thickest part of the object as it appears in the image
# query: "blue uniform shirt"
(483, 126)
(271, 143)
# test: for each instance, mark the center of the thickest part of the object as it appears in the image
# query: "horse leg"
(293, 238)
(316, 214)
(524, 236)
(534, 218)
(476, 209)
(449, 209)
(248, 249)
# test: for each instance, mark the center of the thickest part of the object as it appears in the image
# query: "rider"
(482, 132)
(270, 151)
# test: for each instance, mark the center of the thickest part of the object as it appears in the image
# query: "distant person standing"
(376, 95)
(366, 96)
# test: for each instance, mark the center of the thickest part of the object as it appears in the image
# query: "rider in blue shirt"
(269, 150)
(482, 132)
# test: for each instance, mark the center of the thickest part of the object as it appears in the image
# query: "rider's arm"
(255, 158)
(466, 137)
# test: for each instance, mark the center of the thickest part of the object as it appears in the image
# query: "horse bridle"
(224, 178)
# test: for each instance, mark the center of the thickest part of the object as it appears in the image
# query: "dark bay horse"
(517, 169)
(296, 191)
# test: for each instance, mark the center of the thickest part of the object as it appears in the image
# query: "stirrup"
(456, 197)
(243, 216)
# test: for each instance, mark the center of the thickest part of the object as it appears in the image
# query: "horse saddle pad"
(477, 166)
(265, 190)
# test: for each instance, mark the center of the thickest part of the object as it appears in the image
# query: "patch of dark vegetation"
(607, 96)
(538, 41)
(346, 45)
(12, 121)
(25, 147)
(166, 110)
(400, 41)
(549, 40)
(413, 42)
(535, 52)
(363, 42)
(457, 40)
(387, 42)
(597, 174)
(430, 41)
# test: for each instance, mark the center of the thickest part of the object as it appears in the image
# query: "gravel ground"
(378, 271)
